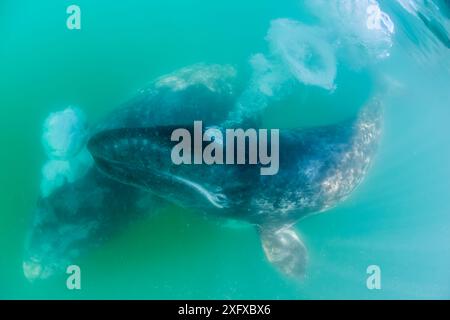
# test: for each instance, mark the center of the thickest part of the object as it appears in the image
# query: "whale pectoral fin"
(285, 250)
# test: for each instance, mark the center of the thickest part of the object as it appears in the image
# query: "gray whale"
(133, 175)
(319, 167)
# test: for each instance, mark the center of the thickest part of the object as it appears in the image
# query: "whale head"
(141, 157)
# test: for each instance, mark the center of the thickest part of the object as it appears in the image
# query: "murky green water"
(398, 219)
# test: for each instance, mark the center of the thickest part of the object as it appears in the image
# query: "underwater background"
(398, 219)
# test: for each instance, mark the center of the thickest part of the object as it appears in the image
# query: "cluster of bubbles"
(64, 140)
(357, 23)
(357, 33)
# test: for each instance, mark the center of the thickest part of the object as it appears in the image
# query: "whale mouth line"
(218, 200)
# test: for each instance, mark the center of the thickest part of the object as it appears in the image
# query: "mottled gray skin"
(319, 167)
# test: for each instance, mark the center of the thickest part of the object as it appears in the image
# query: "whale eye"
(221, 200)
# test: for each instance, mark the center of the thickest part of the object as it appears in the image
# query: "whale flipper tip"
(284, 248)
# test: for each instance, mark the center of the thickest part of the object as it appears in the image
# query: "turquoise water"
(398, 219)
